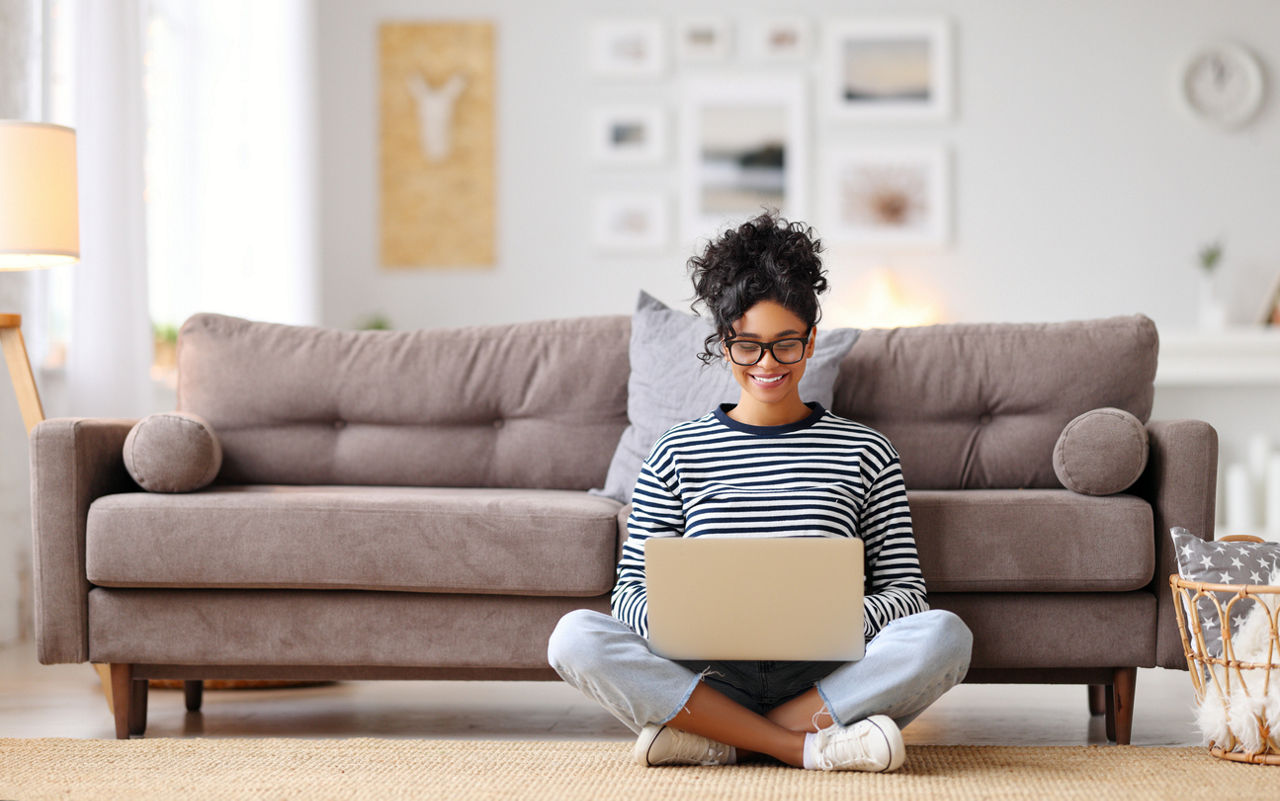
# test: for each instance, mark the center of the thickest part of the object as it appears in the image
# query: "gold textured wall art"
(437, 144)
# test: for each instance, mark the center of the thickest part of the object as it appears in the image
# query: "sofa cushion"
(172, 452)
(669, 384)
(515, 542)
(309, 628)
(1101, 452)
(1056, 630)
(529, 405)
(980, 405)
(1222, 563)
(1032, 541)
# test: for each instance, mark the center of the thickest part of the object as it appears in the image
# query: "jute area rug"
(558, 771)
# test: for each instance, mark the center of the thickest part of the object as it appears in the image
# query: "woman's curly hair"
(766, 258)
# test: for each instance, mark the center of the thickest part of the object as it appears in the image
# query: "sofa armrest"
(73, 462)
(1180, 482)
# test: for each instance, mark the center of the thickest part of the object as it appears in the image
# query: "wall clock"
(1223, 84)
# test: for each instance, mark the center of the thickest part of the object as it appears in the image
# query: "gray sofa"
(413, 505)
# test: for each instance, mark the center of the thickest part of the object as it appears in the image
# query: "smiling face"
(770, 389)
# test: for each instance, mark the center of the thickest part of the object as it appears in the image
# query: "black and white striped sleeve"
(656, 512)
(895, 583)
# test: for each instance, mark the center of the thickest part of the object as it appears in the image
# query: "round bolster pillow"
(172, 452)
(1101, 452)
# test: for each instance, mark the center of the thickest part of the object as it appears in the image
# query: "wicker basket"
(1230, 672)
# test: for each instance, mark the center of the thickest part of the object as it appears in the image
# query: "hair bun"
(764, 258)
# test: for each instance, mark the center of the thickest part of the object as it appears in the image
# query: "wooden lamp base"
(24, 381)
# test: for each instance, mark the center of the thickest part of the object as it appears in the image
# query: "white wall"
(1081, 188)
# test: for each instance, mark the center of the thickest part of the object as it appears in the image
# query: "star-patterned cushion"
(1223, 563)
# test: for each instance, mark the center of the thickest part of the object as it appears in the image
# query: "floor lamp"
(39, 227)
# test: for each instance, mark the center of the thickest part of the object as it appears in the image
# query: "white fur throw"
(1248, 719)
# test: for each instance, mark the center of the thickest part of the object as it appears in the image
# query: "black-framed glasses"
(746, 352)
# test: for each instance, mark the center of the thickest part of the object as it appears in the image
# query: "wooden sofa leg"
(1120, 706)
(194, 693)
(138, 707)
(129, 697)
(1097, 699)
(121, 698)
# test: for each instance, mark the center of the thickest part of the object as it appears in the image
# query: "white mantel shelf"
(1247, 357)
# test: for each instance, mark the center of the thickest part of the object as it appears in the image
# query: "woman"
(769, 465)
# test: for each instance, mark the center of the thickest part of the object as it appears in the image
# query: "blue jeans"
(907, 666)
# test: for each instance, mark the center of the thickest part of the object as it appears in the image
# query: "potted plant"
(1212, 314)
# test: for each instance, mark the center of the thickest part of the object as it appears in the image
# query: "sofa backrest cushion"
(980, 406)
(529, 405)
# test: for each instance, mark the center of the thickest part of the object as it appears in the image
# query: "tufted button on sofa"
(408, 505)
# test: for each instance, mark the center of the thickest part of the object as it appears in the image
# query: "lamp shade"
(39, 208)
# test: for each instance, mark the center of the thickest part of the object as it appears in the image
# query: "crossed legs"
(907, 666)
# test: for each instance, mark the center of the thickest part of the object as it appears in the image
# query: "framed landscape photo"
(628, 135)
(889, 69)
(777, 40)
(630, 222)
(742, 148)
(621, 48)
(891, 196)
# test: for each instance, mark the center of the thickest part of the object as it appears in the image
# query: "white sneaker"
(662, 745)
(874, 744)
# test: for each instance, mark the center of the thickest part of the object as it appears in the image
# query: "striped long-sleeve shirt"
(823, 476)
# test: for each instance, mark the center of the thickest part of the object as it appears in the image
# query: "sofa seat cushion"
(514, 542)
(1032, 541)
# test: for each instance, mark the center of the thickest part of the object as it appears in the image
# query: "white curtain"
(19, 99)
(110, 348)
(230, 159)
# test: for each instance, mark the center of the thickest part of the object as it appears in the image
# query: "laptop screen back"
(776, 598)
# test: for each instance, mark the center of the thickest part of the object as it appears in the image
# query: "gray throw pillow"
(1223, 563)
(172, 452)
(1101, 452)
(670, 385)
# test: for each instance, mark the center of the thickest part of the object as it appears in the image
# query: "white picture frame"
(703, 40)
(887, 196)
(626, 135)
(889, 69)
(630, 222)
(777, 39)
(627, 48)
(743, 148)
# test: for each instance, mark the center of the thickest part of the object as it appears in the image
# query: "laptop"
(775, 598)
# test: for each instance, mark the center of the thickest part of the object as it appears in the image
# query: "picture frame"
(777, 39)
(703, 40)
(630, 222)
(742, 150)
(623, 135)
(438, 201)
(627, 48)
(887, 196)
(889, 69)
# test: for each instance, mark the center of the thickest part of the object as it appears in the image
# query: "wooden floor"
(64, 701)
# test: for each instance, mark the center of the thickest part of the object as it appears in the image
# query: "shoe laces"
(698, 749)
(848, 745)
